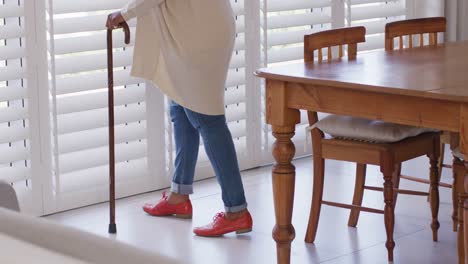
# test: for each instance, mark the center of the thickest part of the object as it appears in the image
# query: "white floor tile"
(335, 242)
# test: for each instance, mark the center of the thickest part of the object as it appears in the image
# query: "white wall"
(456, 12)
(428, 8)
(462, 20)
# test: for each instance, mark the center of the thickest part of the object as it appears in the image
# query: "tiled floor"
(335, 243)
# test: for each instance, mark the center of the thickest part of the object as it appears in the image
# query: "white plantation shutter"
(14, 129)
(284, 25)
(288, 22)
(457, 19)
(78, 85)
(19, 115)
(53, 93)
(374, 14)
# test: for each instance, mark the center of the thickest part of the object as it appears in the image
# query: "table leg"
(464, 149)
(458, 170)
(465, 217)
(283, 191)
(460, 233)
(457, 207)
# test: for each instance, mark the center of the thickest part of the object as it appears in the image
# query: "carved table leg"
(463, 136)
(458, 192)
(465, 216)
(460, 234)
(283, 191)
(457, 165)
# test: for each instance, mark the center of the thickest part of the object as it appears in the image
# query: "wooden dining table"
(424, 87)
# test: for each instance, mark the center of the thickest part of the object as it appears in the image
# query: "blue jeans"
(219, 146)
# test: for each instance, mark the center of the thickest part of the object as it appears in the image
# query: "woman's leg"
(220, 149)
(187, 142)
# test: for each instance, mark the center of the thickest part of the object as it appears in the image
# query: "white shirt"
(184, 47)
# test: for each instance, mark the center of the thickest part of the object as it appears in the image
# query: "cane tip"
(112, 228)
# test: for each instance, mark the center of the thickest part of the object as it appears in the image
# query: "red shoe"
(221, 226)
(163, 208)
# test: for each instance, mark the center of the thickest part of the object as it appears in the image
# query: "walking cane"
(110, 72)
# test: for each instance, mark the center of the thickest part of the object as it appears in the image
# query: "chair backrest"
(410, 27)
(350, 36)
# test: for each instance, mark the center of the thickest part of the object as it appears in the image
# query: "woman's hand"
(114, 20)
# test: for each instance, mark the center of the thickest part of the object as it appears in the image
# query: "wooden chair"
(417, 28)
(388, 156)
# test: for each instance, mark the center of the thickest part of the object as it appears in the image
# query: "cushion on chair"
(457, 154)
(361, 129)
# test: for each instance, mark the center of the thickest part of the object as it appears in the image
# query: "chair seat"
(361, 129)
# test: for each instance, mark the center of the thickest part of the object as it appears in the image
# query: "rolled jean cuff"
(235, 209)
(181, 188)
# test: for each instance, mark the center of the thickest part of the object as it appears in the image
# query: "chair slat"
(352, 51)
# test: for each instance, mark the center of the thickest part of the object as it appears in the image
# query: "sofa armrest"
(73, 243)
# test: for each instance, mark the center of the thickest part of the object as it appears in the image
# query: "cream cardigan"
(184, 47)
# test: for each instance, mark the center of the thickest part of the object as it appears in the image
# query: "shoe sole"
(182, 216)
(238, 232)
(243, 231)
(173, 215)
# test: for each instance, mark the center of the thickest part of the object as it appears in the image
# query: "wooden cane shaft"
(110, 65)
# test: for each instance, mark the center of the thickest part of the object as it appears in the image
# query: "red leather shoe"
(221, 226)
(163, 208)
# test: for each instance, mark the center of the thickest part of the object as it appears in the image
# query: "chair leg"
(458, 172)
(460, 234)
(358, 193)
(396, 183)
(319, 171)
(441, 159)
(440, 165)
(387, 167)
(434, 189)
